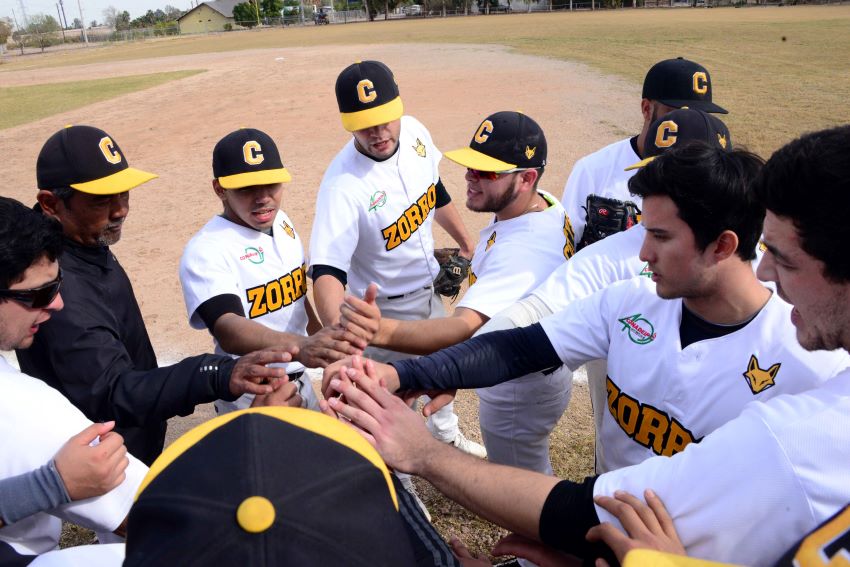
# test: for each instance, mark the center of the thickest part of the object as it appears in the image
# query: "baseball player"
(746, 492)
(244, 274)
(668, 85)
(375, 210)
(528, 237)
(686, 349)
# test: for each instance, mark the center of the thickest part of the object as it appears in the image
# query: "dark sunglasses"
(493, 175)
(37, 297)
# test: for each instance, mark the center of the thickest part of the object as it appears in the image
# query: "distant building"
(208, 16)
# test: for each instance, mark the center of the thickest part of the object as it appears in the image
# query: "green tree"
(172, 14)
(270, 8)
(41, 29)
(245, 14)
(5, 31)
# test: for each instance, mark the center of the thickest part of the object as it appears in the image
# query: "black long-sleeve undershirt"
(480, 362)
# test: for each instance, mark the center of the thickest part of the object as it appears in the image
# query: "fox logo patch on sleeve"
(420, 148)
(759, 379)
(288, 229)
(490, 241)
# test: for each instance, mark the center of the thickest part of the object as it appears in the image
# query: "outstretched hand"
(328, 345)
(361, 317)
(250, 375)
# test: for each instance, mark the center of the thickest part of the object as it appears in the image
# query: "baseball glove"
(606, 216)
(453, 270)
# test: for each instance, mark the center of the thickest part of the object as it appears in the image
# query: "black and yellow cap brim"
(308, 420)
(251, 178)
(473, 159)
(362, 119)
(120, 182)
(641, 163)
(650, 558)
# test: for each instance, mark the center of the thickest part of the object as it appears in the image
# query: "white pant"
(415, 306)
(517, 416)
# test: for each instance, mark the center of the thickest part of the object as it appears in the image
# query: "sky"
(92, 9)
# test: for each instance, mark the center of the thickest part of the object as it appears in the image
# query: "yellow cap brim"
(640, 164)
(119, 182)
(251, 178)
(473, 159)
(648, 558)
(393, 110)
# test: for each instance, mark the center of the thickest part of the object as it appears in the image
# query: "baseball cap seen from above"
(678, 83)
(367, 95)
(502, 142)
(87, 159)
(248, 157)
(266, 487)
(680, 127)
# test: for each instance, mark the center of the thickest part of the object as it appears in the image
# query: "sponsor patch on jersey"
(645, 271)
(253, 255)
(420, 148)
(490, 241)
(288, 229)
(377, 200)
(640, 330)
(647, 425)
(759, 379)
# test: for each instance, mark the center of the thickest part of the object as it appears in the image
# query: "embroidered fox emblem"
(759, 379)
(490, 241)
(420, 148)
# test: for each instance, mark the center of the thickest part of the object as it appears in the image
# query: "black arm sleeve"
(322, 269)
(482, 361)
(443, 197)
(567, 515)
(210, 310)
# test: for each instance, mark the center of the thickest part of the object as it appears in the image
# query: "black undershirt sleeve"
(210, 310)
(567, 515)
(482, 361)
(323, 269)
(443, 197)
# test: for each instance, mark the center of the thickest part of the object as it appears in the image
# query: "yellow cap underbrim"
(649, 558)
(393, 110)
(251, 178)
(473, 159)
(640, 164)
(119, 182)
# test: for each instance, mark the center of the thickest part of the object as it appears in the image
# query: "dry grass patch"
(20, 105)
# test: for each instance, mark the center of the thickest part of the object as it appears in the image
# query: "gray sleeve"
(36, 491)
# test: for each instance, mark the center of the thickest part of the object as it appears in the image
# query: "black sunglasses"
(37, 297)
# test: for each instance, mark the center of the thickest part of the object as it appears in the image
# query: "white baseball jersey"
(36, 421)
(749, 490)
(600, 173)
(661, 397)
(514, 256)
(374, 219)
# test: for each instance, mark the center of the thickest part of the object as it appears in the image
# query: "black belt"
(408, 293)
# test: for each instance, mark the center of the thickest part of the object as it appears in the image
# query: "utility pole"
(24, 13)
(82, 23)
(59, 14)
(64, 17)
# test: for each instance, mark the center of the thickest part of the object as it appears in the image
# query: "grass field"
(781, 71)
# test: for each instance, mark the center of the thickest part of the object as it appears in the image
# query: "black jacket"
(97, 352)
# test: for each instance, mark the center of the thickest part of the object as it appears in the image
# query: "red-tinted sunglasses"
(37, 297)
(493, 175)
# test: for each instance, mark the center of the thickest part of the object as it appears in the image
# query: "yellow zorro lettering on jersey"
(410, 220)
(277, 294)
(759, 379)
(490, 241)
(570, 236)
(646, 425)
(828, 545)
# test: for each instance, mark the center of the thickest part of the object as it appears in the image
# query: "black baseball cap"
(367, 95)
(266, 487)
(87, 159)
(679, 127)
(503, 141)
(679, 83)
(248, 157)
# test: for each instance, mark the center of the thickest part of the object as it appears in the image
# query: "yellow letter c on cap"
(366, 91)
(666, 134)
(253, 153)
(483, 132)
(700, 82)
(107, 148)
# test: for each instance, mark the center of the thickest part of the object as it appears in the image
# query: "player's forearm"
(329, 294)
(238, 335)
(449, 219)
(509, 497)
(480, 362)
(422, 336)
